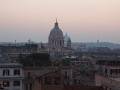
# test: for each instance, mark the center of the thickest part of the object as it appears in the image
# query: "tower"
(56, 41)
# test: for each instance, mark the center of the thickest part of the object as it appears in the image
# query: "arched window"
(60, 42)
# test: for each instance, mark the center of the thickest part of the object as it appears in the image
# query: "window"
(48, 80)
(75, 81)
(111, 71)
(66, 76)
(6, 72)
(16, 83)
(30, 86)
(29, 75)
(57, 80)
(106, 71)
(60, 42)
(6, 83)
(17, 72)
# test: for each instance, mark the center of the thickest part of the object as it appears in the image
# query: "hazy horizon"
(83, 20)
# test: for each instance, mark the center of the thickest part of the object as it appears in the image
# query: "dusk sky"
(84, 20)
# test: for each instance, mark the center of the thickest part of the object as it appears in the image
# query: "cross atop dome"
(56, 20)
(56, 23)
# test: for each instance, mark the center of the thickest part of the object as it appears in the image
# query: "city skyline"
(83, 20)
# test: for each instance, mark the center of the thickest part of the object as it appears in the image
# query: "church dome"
(66, 38)
(56, 41)
(56, 32)
(67, 41)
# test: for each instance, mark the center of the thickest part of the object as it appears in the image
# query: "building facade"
(12, 51)
(11, 76)
(108, 75)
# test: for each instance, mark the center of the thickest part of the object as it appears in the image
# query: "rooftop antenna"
(15, 43)
(29, 40)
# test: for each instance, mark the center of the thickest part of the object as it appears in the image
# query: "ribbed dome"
(56, 31)
(56, 41)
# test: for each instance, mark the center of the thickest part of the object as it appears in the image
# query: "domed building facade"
(56, 41)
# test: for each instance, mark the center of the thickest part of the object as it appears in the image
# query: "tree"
(36, 59)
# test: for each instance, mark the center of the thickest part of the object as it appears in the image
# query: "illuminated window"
(6, 84)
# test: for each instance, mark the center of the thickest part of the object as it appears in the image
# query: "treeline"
(36, 59)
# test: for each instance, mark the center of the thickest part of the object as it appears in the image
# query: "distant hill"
(76, 45)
